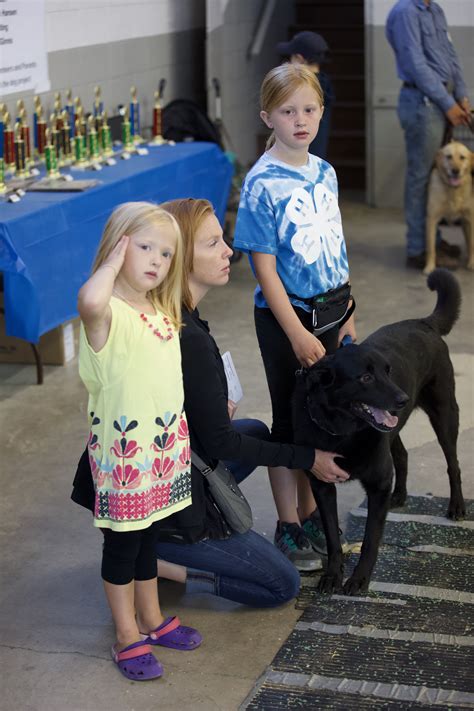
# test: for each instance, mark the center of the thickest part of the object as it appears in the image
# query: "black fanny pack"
(330, 309)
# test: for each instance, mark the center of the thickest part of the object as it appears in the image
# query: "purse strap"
(200, 464)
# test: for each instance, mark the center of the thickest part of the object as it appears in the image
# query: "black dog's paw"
(456, 510)
(398, 498)
(354, 586)
(330, 583)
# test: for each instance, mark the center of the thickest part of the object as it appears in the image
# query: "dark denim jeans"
(245, 568)
(423, 124)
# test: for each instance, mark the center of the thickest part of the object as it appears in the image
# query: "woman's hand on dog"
(307, 348)
(325, 468)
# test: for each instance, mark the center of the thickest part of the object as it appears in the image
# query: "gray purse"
(225, 491)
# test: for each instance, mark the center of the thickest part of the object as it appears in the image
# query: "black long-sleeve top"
(205, 402)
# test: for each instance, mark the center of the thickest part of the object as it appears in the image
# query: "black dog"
(346, 403)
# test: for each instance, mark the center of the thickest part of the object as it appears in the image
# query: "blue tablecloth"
(48, 240)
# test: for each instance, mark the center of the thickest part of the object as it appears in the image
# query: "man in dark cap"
(311, 49)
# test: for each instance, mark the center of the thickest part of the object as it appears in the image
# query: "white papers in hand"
(233, 382)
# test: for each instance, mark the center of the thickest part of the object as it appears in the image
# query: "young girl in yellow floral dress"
(138, 446)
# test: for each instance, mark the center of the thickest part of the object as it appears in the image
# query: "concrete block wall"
(120, 43)
(231, 26)
(385, 147)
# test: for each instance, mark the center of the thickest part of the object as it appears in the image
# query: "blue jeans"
(245, 568)
(424, 125)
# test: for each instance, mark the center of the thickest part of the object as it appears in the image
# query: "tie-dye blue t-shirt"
(292, 212)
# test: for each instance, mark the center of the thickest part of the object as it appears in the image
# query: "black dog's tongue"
(383, 417)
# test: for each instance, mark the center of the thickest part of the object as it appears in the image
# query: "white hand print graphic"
(318, 231)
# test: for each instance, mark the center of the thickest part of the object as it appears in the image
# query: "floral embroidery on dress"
(166, 474)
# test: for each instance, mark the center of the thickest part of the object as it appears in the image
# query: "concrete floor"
(55, 626)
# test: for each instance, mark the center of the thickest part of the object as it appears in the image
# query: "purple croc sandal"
(174, 635)
(137, 663)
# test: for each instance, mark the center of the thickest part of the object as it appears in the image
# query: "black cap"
(310, 45)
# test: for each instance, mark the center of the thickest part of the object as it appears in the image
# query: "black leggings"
(281, 364)
(129, 555)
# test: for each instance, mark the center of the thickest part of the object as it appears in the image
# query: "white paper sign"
(23, 56)
(233, 382)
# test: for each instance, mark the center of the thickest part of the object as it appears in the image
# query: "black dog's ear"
(322, 373)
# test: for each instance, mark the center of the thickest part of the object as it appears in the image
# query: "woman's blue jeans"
(423, 124)
(245, 568)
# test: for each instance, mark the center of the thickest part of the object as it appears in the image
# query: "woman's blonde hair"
(189, 213)
(130, 218)
(281, 82)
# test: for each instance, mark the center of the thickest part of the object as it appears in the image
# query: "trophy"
(2, 144)
(20, 152)
(40, 132)
(126, 132)
(50, 157)
(3, 109)
(70, 110)
(66, 138)
(58, 114)
(3, 187)
(79, 145)
(79, 115)
(9, 143)
(20, 106)
(98, 107)
(25, 134)
(105, 136)
(36, 112)
(54, 139)
(135, 116)
(158, 139)
(92, 141)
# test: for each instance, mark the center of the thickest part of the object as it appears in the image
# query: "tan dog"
(450, 196)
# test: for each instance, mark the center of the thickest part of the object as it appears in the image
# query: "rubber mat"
(407, 643)
(431, 506)
(431, 616)
(415, 533)
(276, 697)
(404, 566)
(378, 660)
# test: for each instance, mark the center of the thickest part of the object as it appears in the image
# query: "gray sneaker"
(293, 542)
(313, 529)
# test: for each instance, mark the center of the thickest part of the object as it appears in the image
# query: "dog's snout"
(455, 171)
(401, 400)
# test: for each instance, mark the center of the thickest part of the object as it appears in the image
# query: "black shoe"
(416, 261)
(450, 250)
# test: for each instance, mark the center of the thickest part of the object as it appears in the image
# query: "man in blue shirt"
(433, 93)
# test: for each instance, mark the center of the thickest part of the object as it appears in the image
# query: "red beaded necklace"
(156, 332)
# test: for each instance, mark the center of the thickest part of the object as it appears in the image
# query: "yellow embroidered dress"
(139, 443)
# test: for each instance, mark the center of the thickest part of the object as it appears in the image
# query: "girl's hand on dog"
(308, 349)
(348, 329)
(325, 468)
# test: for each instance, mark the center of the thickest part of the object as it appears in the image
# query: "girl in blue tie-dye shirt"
(289, 223)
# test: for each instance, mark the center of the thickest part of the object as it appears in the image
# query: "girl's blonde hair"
(133, 217)
(189, 213)
(281, 82)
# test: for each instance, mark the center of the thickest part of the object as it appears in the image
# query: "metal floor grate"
(408, 643)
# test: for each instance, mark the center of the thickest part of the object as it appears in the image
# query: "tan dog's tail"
(448, 305)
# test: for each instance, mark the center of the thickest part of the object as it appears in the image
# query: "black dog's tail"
(448, 305)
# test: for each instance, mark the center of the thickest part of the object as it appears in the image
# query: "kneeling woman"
(195, 546)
